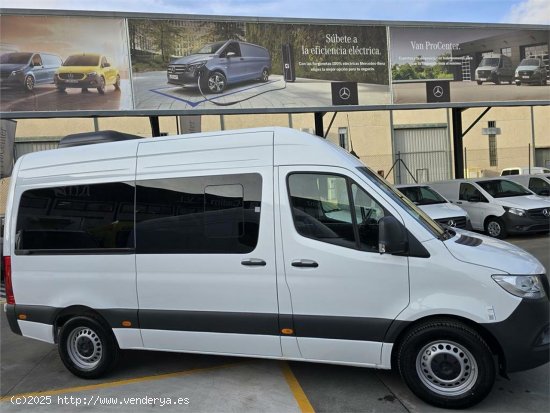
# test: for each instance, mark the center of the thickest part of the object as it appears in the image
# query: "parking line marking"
(297, 391)
(121, 382)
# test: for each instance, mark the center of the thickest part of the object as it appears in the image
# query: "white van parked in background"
(229, 243)
(539, 184)
(436, 206)
(498, 206)
(524, 171)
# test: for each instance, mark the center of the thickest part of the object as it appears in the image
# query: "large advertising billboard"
(203, 64)
(111, 63)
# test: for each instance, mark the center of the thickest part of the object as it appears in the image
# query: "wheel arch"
(491, 341)
(77, 311)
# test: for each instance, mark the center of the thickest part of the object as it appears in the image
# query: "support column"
(458, 146)
(155, 126)
(319, 130)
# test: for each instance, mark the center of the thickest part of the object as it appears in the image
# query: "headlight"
(197, 65)
(15, 72)
(516, 211)
(517, 73)
(91, 74)
(524, 286)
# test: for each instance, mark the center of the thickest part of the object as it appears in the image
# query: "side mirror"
(230, 54)
(392, 236)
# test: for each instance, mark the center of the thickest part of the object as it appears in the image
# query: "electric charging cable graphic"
(235, 101)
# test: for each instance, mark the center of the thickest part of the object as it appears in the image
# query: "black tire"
(518, 83)
(497, 80)
(496, 228)
(29, 83)
(117, 82)
(101, 87)
(214, 82)
(479, 82)
(460, 354)
(265, 75)
(88, 338)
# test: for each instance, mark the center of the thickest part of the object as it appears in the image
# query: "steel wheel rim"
(447, 368)
(85, 348)
(265, 75)
(493, 228)
(216, 83)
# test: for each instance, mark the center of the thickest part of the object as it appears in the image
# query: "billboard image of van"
(196, 64)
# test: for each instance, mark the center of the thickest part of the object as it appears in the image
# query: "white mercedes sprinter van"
(498, 206)
(229, 243)
(436, 206)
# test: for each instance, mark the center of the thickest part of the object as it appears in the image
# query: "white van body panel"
(38, 331)
(441, 211)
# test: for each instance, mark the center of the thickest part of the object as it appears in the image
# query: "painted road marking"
(122, 382)
(296, 389)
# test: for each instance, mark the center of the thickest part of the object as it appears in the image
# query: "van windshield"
(529, 62)
(82, 60)
(210, 48)
(419, 215)
(490, 61)
(502, 188)
(422, 195)
(15, 58)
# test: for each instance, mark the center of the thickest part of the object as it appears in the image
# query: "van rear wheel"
(446, 364)
(265, 75)
(29, 83)
(496, 228)
(87, 348)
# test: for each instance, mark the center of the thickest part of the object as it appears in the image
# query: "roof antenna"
(350, 141)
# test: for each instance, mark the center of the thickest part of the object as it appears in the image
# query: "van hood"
(440, 211)
(10, 67)
(524, 202)
(527, 68)
(192, 58)
(493, 253)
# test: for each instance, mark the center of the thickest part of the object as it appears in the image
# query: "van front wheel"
(87, 348)
(447, 364)
(495, 228)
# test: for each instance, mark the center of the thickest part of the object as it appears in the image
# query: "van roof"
(116, 160)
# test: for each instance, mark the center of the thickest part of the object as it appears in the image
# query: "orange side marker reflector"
(287, 331)
(22, 316)
(126, 323)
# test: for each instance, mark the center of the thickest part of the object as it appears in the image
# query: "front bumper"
(516, 224)
(183, 79)
(17, 80)
(91, 82)
(529, 77)
(523, 337)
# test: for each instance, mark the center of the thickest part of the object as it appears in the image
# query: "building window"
(536, 51)
(343, 138)
(506, 51)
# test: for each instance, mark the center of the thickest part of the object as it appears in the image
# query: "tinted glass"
(501, 188)
(51, 60)
(99, 216)
(422, 195)
(233, 48)
(490, 61)
(469, 192)
(199, 215)
(210, 48)
(529, 62)
(368, 213)
(15, 58)
(539, 186)
(82, 60)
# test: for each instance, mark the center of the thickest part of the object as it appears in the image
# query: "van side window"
(539, 186)
(327, 208)
(232, 47)
(36, 60)
(76, 218)
(468, 191)
(198, 215)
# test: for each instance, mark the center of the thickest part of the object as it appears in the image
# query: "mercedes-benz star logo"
(438, 91)
(70, 75)
(546, 212)
(451, 223)
(344, 93)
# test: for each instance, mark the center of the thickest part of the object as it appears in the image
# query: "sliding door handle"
(253, 261)
(305, 263)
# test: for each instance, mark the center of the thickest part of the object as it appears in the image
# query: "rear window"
(97, 217)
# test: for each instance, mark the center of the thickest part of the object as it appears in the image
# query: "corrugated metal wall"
(424, 151)
(27, 146)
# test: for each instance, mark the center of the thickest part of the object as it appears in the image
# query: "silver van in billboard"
(532, 70)
(27, 69)
(216, 65)
(495, 68)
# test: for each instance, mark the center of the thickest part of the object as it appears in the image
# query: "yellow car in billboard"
(85, 71)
